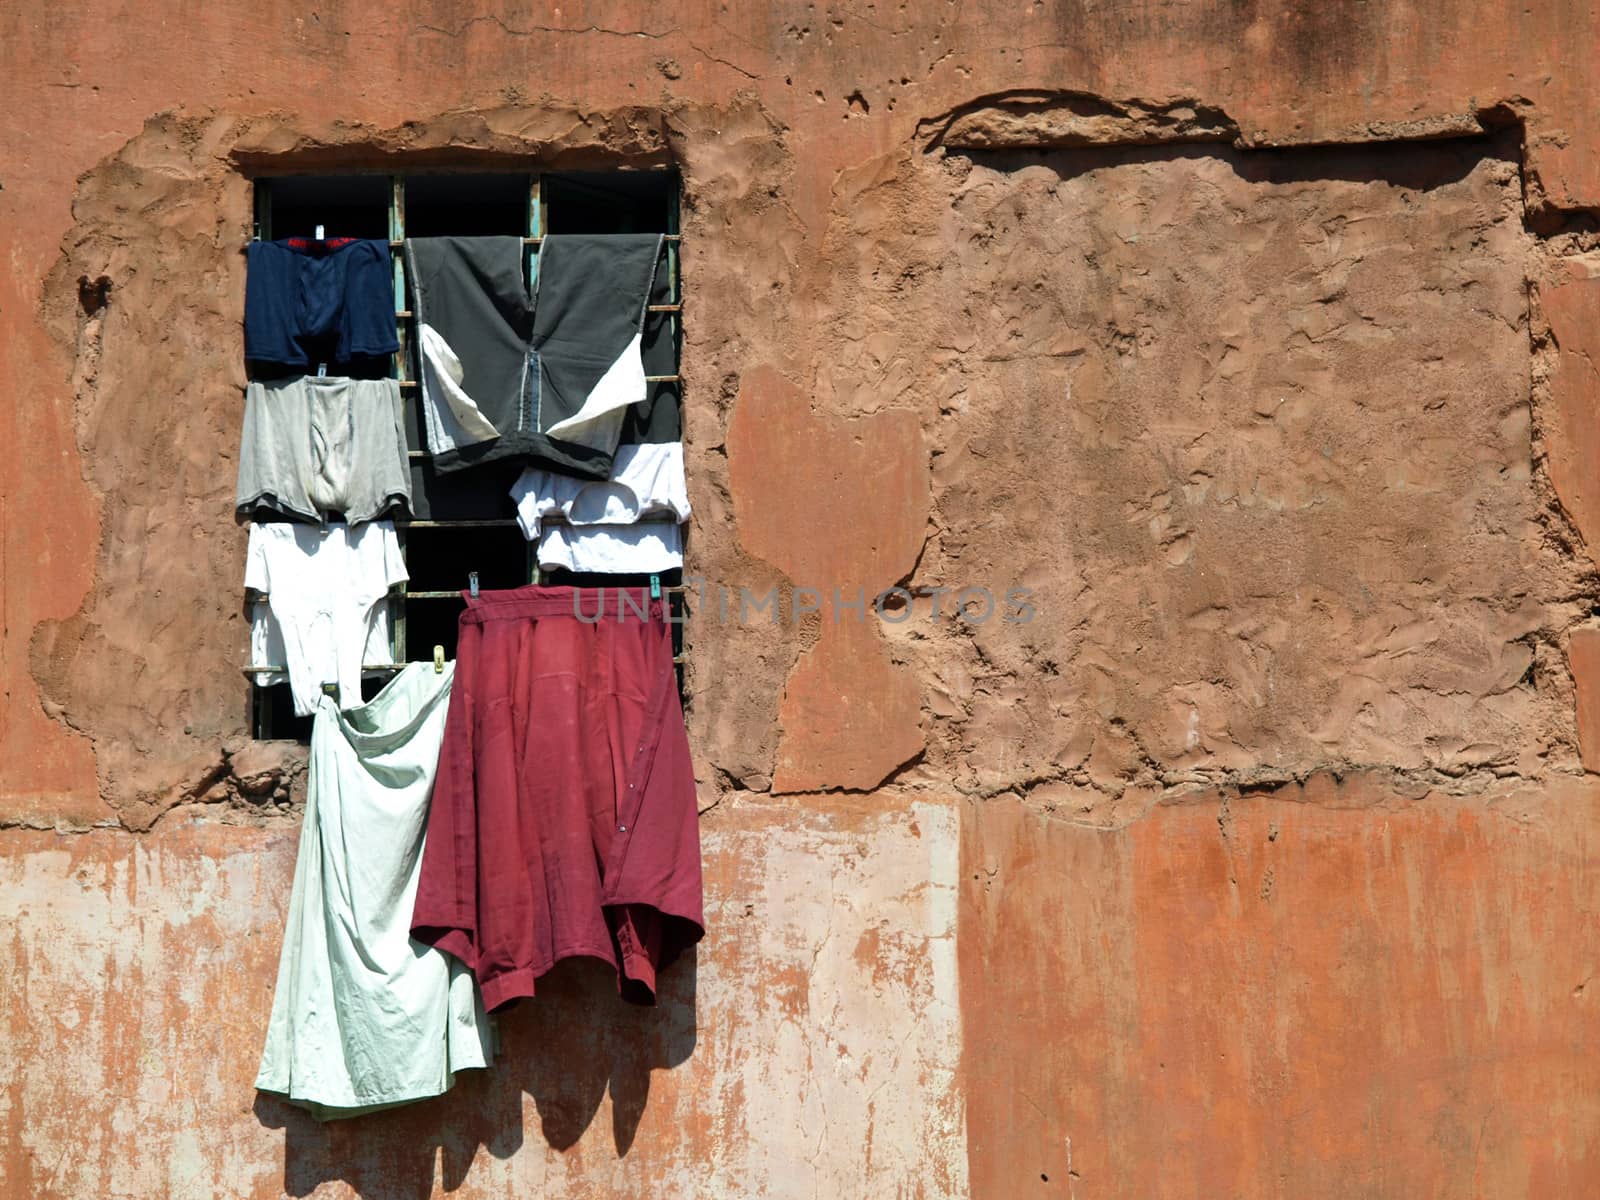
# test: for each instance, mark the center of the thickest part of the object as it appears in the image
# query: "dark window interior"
(344, 205)
(615, 202)
(465, 522)
(466, 206)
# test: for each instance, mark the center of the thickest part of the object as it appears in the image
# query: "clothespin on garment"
(472, 583)
(320, 238)
(438, 660)
(655, 587)
(331, 689)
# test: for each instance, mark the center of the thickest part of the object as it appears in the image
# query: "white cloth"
(459, 421)
(648, 548)
(363, 1016)
(596, 525)
(599, 421)
(646, 479)
(267, 648)
(324, 587)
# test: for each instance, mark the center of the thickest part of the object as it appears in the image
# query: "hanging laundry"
(606, 526)
(645, 479)
(474, 321)
(316, 446)
(267, 647)
(543, 379)
(324, 586)
(363, 1016)
(309, 302)
(564, 820)
(647, 548)
(596, 526)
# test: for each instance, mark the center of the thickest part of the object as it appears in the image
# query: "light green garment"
(364, 1017)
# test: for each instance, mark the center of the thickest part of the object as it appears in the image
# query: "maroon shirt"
(564, 818)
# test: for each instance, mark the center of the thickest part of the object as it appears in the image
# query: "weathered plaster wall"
(1256, 864)
(142, 967)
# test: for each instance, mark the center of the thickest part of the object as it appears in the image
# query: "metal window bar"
(675, 332)
(262, 199)
(406, 314)
(455, 593)
(678, 659)
(537, 202)
(397, 232)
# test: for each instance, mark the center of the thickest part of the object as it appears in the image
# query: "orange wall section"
(1255, 342)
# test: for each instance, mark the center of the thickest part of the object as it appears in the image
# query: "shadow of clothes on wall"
(566, 1048)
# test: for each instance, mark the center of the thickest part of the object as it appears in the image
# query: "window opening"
(465, 521)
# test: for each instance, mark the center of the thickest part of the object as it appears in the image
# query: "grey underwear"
(317, 446)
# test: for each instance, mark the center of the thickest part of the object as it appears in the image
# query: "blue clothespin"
(472, 583)
(655, 587)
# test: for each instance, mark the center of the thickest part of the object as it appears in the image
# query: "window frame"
(403, 368)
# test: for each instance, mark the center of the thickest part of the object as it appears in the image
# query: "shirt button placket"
(624, 828)
(631, 787)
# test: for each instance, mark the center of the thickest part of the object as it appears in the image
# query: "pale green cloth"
(364, 1017)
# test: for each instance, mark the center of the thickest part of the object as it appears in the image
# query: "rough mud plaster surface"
(754, 208)
(156, 410)
(1049, 120)
(139, 971)
(1332, 72)
(841, 87)
(1256, 429)
(148, 668)
(1332, 991)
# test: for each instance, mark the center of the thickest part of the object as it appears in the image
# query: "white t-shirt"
(267, 648)
(325, 587)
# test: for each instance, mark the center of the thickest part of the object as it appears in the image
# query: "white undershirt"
(324, 587)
